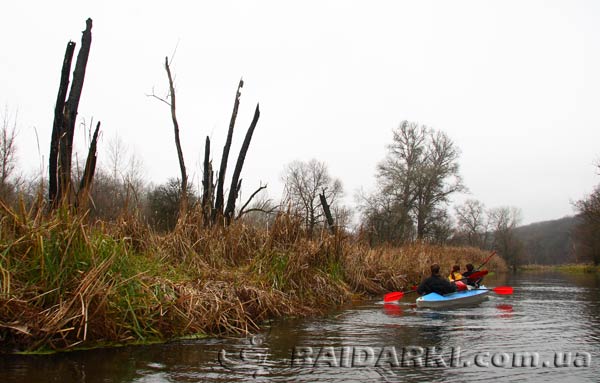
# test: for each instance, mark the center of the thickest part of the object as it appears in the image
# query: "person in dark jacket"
(436, 283)
(469, 270)
(471, 281)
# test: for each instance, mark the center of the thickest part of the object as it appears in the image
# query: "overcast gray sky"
(515, 84)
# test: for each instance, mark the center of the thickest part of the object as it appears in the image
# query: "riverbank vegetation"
(573, 268)
(587, 231)
(68, 283)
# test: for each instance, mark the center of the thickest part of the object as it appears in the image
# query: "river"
(548, 330)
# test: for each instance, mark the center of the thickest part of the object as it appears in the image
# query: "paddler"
(436, 283)
(455, 274)
(466, 274)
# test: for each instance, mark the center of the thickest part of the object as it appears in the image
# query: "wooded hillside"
(548, 242)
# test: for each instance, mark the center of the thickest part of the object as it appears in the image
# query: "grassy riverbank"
(575, 268)
(66, 283)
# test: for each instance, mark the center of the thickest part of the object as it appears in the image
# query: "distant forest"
(549, 242)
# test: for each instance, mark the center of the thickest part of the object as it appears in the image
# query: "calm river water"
(548, 330)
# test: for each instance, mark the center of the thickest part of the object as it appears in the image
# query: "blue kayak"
(457, 299)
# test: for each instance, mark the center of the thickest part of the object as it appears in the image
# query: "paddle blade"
(393, 296)
(503, 290)
(477, 275)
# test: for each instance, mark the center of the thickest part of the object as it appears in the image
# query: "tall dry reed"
(67, 282)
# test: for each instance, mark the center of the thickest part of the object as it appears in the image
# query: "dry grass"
(66, 283)
(392, 268)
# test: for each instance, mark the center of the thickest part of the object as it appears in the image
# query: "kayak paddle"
(397, 295)
(475, 276)
(500, 290)
(487, 260)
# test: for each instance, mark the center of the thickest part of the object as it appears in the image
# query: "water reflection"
(393, 309)
(505, 310)
(549, 313)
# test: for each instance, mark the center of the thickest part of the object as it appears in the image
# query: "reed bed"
(66, 282)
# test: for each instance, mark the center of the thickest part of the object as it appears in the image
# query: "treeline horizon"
(119, 189)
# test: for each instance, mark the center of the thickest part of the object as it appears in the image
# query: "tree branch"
(250, 199)
(153, 95)
(269, 211)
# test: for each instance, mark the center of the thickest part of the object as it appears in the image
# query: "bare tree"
(437, 179)
(163, 203)
(589, 206)
(415, 181)
(128, 172)
(208, 204)
(170, 100)
(184, 178)
(119, 186)
(397, 174)
(116, 156)
(106, 197)
(134, 179)
(504, 220)
(384, 218)
(472, 222)
(304, 181)
(342, 216)
(8, 160)
(587, 232)
(441, 229)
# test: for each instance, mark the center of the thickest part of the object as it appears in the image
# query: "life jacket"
(455, 276)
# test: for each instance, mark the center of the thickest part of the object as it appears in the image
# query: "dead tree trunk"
(218, 209)
(183, 201)
(207, 185)
(65, 114)
(58, 123)
(88, 173)
(70, 115)
(327, 211)
(234, 190)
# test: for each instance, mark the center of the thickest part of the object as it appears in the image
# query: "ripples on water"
(548, 313)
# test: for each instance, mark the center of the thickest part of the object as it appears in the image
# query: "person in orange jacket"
(455, 274)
